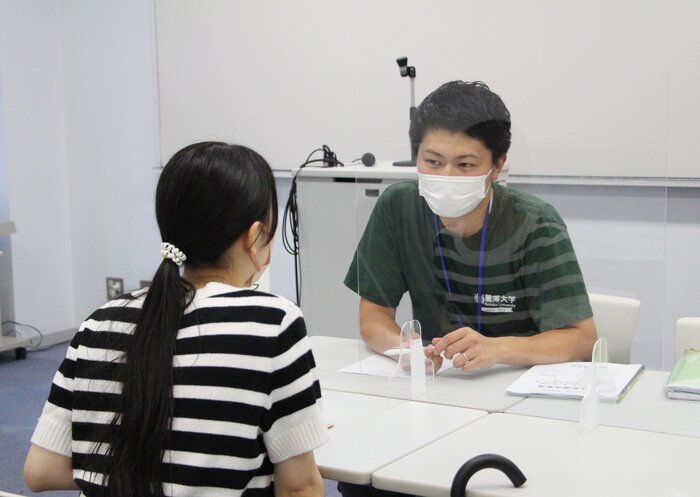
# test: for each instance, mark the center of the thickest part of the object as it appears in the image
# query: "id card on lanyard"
(480, 274)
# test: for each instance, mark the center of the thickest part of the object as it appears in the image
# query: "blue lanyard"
(480, 277)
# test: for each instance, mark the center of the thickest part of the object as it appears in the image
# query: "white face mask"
(259, 268)
(452, 196)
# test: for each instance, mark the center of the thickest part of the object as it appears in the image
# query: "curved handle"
(477, 463)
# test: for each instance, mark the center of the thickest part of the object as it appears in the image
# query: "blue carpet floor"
(24, 386)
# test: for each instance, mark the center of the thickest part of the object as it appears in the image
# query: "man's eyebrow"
(465, 156)
(429, 151)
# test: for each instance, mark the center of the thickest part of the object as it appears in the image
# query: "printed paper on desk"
(380, 365)
(568, 380)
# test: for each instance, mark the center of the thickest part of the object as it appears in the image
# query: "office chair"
(687, 335)
(615, 319)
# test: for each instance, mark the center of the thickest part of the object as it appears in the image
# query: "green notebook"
(684, 380)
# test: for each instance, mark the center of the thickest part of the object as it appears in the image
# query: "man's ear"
(498, 166)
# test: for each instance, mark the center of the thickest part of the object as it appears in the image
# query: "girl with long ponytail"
(183, 388)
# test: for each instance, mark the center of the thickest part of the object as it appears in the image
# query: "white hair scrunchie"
(170, 251)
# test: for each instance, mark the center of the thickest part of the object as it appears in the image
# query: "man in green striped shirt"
(491, 272)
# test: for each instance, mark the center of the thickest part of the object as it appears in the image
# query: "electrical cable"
(290, 218)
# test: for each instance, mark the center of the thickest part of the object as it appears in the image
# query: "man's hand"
(405, 360)
(467, 348)
(471, 350)
(430, 354)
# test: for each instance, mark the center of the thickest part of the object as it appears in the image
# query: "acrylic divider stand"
(414, 374)
(600, 387)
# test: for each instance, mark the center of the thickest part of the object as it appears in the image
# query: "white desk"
(557, 460)
(645, 407)
(368, 432)
(485, 390)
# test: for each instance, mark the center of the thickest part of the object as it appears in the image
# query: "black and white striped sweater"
(245, 389)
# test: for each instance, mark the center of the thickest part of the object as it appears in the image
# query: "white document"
(569, 379)
(380, 365)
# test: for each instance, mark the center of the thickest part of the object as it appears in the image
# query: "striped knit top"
(531, 278)
(246, 393)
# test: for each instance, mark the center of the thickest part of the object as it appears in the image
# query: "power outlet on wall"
(115, 287)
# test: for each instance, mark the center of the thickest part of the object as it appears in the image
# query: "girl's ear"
(254, 233)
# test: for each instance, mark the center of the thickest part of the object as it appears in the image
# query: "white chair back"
(687, 335)
(615, 319)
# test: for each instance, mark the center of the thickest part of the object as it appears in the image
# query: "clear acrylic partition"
(601, 158)
(616, 208)
(681, 293)
(325, 200)
(606, 168)
(413, 374)
(607, 155)
(387, 362)
(599, 387)
(596, 157)
(682, 207)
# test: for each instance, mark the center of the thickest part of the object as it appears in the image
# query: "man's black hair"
(467, 107)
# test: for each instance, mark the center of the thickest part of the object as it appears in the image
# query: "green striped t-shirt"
(532, 280)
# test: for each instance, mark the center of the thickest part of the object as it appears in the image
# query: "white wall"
(583, 79)
(111, 143)
(80, 128)
(38, 188)
(79, 107)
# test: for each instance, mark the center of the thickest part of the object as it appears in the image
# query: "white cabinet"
(334, 205)
(11, 342)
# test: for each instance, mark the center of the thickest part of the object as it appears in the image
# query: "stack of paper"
(569, 379)
(684, 380)
(381, 365)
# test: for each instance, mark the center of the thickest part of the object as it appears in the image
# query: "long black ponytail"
(208, 195)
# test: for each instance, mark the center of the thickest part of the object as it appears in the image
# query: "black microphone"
(368, 159)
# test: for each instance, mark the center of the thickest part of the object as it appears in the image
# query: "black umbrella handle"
(476, 464)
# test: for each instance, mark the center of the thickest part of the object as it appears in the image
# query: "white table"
(556, 458)
(485, 389)
(369, 432)
(645, 407)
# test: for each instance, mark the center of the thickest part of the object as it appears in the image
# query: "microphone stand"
(409, 71)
